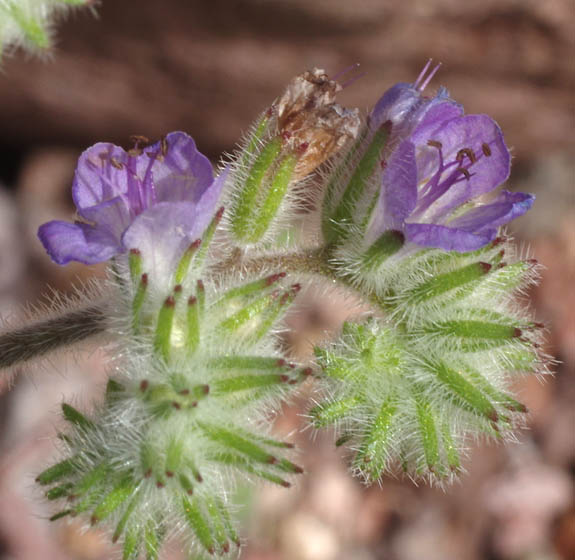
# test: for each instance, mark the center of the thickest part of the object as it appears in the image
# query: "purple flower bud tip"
(155, 198)
(438, 162)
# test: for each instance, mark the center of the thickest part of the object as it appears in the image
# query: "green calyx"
(337, 222)
(386, 245)
(407, 391)
(261, 193)
(184, 435)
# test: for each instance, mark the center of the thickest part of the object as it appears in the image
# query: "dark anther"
(138, 139)
(435, 144)
(486, 149)
(164, 146)
(465, 172)
(117, 164)
(466, 152)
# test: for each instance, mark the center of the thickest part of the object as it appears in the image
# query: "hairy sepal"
(410, 386)
(184, 416)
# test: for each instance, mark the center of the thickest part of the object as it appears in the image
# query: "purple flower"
(439, 162)
(156, 199)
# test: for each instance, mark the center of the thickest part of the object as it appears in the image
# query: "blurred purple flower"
(440, 161)
(156, 199)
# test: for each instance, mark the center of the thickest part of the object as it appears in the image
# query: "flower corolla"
(156, 199)
(437, 167)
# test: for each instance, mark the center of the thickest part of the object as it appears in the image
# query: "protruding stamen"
(422, 74)
(353, 80)
(466, 152)
(345, 71)
(138, 139)
(435, 144)
(117, 164)
(164, 146)
(430, 77)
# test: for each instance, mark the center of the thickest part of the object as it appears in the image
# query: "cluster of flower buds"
(200, 281)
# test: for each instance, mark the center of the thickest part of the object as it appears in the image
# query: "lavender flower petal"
(438, 160)
(450, 239)
(398, 195)
(66, 242)
(181, 172)
(100, 175)
(164, 232)
(480, 134)
(506, 207)
(116, 192)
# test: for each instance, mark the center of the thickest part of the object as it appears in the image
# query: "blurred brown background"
(209, 67)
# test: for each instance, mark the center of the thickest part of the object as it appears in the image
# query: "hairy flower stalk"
(405, 218)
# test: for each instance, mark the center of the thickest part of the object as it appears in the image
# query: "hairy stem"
(32, 341)
(311, 262)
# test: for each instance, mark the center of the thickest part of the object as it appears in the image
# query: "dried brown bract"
(311, 122)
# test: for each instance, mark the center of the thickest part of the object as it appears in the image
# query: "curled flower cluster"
(198, 291)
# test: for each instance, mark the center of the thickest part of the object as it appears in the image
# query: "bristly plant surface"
(203, 267)
(29, 24)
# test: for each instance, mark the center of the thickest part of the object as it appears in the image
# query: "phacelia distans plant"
(204, 266)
